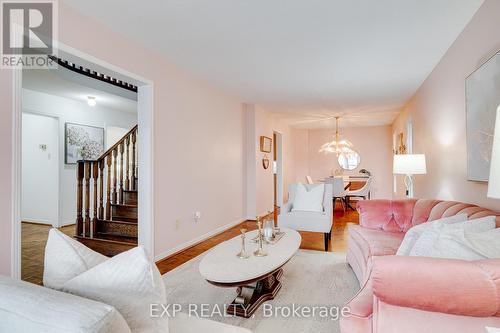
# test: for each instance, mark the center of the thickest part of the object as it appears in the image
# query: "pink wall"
(260, 187)
(438, 113)
(198, 139)
(300, 140)
(374, 145)
(264, 177)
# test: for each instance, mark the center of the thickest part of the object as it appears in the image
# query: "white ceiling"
(305, 57)
(65, 83)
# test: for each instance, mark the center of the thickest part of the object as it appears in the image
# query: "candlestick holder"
(243, 253)
(260, 251)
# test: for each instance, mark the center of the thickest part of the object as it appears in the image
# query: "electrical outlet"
(177, 224)
(197, 216)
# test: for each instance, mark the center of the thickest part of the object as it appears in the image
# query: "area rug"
(319, 281)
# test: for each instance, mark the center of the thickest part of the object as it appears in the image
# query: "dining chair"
(363, 192)
(309, 180)
(339, 192)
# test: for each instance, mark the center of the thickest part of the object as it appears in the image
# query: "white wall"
(68, 110)
(40, 172)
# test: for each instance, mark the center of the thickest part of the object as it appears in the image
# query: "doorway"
(144, 147)
(277, 173)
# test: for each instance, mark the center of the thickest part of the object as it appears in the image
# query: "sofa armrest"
(460, 287)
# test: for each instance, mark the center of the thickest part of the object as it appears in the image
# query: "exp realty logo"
(28, 34)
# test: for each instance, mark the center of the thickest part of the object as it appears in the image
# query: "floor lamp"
(409, 165)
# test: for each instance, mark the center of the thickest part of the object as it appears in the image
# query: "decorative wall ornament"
(82, 142)
(265, 162)
(401, 147)
(482, 100)
(265, 144)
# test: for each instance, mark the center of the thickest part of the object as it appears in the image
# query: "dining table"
(351, 182)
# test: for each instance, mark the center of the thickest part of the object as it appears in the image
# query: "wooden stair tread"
(119, 222)
(130, 191)
(115, 237)
(124, 205)
(106, 240)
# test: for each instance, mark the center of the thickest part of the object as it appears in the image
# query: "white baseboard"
(37, 221)
(47, 222)
(197, 240)
(252, 218)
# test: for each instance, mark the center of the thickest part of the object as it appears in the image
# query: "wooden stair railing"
(93, 199)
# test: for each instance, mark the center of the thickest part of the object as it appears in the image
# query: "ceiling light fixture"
(91, 101)
(338, 146)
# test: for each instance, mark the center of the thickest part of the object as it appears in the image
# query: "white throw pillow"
(425, 244)
(414, 233)
(129, 281)
(486, 243)
(66, 258)
(309, 201)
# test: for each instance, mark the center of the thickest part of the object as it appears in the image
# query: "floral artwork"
(83, 142)
(482, 100)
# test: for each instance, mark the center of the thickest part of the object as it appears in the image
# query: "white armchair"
(309, 221)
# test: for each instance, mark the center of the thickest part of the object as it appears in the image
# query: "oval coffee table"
(257, 278)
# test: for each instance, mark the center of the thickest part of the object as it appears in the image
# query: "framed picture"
(482, 99)
(265, 144)
(82, 142)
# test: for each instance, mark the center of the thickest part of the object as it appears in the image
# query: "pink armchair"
(416, 294)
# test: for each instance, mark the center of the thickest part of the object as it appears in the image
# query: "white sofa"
(25, 307)
(309, 221)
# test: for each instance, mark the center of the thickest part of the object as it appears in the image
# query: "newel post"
(80, 167)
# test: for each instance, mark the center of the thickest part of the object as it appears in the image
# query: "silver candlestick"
(243, 253)
(260, 251)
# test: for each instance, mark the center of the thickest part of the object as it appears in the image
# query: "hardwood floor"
(310, 240)
(34, 238)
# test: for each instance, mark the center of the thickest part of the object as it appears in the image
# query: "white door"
(40, 169)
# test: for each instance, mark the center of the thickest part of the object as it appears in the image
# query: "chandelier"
(338, 146)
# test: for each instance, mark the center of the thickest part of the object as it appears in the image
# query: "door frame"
(145, 146)
(278, 145)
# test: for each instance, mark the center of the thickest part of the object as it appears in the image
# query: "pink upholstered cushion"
(440, 285)
(387, 215)
(401, 215)
(376, 242)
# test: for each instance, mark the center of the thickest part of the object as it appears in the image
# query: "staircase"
(106, 216)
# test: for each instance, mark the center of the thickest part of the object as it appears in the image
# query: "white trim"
(38, 221)
(197, 240)
(253, 218)
(145, 143)
(279, 168)
(146, 226)
(15, 268)
(47, 222)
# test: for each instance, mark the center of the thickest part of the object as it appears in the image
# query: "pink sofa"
(417, 294)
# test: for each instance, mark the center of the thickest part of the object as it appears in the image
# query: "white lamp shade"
(494, 181)
(409, 164)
